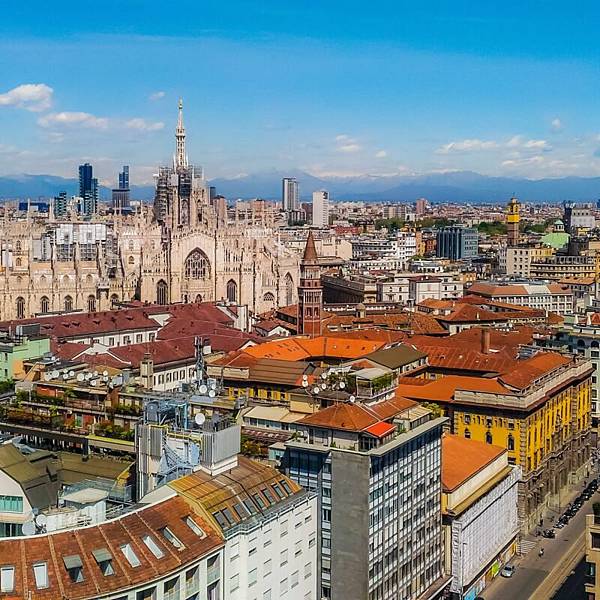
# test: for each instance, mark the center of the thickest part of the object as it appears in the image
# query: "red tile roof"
(526, 372)
(52, 548)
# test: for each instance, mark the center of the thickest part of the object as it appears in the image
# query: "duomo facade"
(183, 249)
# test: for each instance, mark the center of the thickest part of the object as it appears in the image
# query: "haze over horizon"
(392, 91)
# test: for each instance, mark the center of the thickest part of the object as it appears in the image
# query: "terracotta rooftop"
(462, 459)
(528, 371)
(83, 547)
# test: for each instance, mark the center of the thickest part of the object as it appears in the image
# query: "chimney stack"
(485, 340)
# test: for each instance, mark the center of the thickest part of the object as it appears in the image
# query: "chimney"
(485, 340)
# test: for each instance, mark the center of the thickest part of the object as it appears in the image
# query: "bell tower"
(513, 218)
(310, 291)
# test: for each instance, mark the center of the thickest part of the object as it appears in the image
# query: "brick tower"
(310, 292)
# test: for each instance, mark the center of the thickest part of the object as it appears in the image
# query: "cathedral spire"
(181, 161)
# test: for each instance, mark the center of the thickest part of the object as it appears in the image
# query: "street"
(562, 555)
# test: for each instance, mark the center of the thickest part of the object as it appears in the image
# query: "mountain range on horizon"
(452, 186)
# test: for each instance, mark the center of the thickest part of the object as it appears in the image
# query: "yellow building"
(539, 410)
(592, 556)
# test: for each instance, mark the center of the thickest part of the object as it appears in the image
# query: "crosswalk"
(526, 546)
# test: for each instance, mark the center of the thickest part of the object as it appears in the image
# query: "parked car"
(559, 525)
(549, 533)
(508, 571)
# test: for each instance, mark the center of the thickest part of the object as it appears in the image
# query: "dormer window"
(74, 567)
(104, 559)
(40, 572)
(194, 527)
(130, 555)
(172, 538)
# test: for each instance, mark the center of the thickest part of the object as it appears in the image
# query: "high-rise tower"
(513, 218)
(180, 159)
(88, 190)
(310, 291)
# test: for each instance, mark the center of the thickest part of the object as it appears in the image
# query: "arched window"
(131, 246)
(114, 300)
(511, 442)
(18, 262)
(198, 299)
(162, 292)
(66, 280)
(467, 434)
(18, 246)
(488, 437)
(268, 297)
(232, 291)
(68, 304)
(289, 289)
(20, 307)
(91, 303)
(580, 343)
(44, 304)
(131, 260)
(89, 279)
(197, 265)
(43, 280)
(595, 344)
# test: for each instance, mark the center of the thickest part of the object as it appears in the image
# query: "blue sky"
(343, 88)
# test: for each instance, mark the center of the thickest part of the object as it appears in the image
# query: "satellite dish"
(65, 376)
(213, 385)
(94, 382)
(104, 373)
(342, 385)
(80, 377)
(304, 383)
(55, 374)
(105, 378)
(203, 389)
(199, 419)
(41, 520)
(305, 377)
(323, 386)
(96, 373)
(29, 528)
(47, 376)
(352, 398)
(212, 393)
(323, 375)
(71, 374)
(316, 390)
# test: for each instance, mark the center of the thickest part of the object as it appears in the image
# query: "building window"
(488, 437)
(91, 303)
(596, 541)
(197, 265)
(40, 572)
(7, 579)
(252, 577)
(172, 538)
(234, 582)
(131, 260)
(130, 555)
(511, 442)
(68, 303)
(467, 434)
(44, 304)
(114, 300)
(232, 291)
(13, 504)
(162, 292)
(20, 307)
(152, 546)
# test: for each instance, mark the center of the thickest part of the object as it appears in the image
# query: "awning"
(73, 561)
(101, 555)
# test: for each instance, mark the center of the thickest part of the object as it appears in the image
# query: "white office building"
(290, 194)
(320, 208)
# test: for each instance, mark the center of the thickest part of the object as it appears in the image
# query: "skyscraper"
(61, 205)
(320, 208)
(120, 195)
(88, 190)
(290, 194)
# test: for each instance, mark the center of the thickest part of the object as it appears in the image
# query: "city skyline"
(393, 92)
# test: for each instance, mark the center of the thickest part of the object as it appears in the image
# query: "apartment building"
(378, 489)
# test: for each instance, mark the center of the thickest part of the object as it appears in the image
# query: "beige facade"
(592, 556)
(516, 260)
(46, 270)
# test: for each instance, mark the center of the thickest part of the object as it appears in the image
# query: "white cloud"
(68, 119)
(556, 124)
(381, 154)
(343, 138)
(143, 125)
(157, 95)
(35, 97)
(349, 148)
(468, 145)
